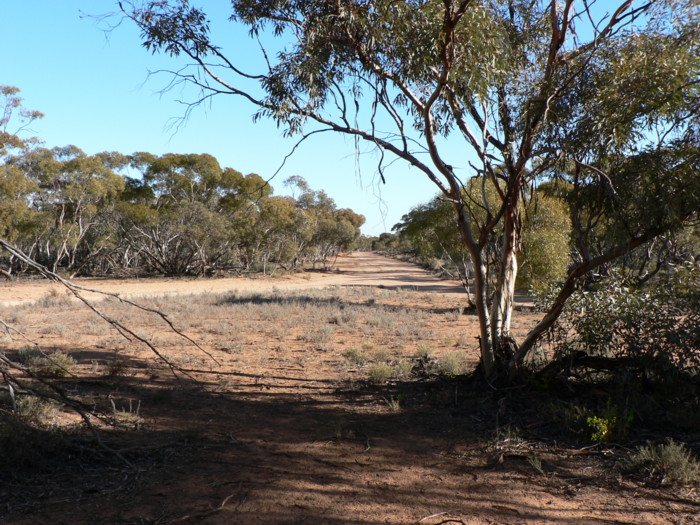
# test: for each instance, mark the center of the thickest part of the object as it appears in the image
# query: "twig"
(9, 329)
(58, 395)
(432, 516)
(203, 515)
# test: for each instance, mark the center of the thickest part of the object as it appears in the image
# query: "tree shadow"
(341, 452)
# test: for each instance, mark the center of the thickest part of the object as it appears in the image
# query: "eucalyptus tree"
(72, 190)
(169, 217)
(325, 230)
(14, 119)
(509, 91)
(543, 256)
(17, 218)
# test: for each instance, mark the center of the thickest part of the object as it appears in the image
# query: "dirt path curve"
(354, 269)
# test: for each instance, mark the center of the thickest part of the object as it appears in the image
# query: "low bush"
(617, 329)
(380, 373)
(54, 364)
(452, 365)
(665, 464)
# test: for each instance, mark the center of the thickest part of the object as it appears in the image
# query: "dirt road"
(354, 269)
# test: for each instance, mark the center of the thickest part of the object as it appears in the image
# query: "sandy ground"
(355, 269)
(280, 418)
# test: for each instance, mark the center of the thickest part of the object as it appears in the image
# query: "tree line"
(174, 214)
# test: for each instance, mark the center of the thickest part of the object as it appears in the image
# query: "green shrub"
(612, 424)
(651, 333)
(452, 365)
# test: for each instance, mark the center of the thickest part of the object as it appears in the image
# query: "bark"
(486, 342)
(508, 271)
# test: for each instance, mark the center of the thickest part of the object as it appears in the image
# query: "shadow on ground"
(426, 450)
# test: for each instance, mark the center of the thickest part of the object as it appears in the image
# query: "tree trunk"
(480, 292)
(504, 295)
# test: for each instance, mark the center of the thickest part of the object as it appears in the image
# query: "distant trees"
(173, 214)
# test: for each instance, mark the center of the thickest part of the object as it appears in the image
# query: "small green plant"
(610, 425)
(452, 364)
(669, 463)
(356, 356)
(602, 428)
(380, 373)
(536, 462)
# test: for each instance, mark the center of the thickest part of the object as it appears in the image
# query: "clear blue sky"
(96, 94)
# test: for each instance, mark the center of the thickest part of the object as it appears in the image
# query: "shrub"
(380, 373)
(36, 411)
(610, 425)
(55, 364)
(55, 298)
(356, 356)
(116, 368)
(652, 333)
(670, 463)
(452, 364)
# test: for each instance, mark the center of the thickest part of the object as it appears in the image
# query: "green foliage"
(452, 364)
(612, 424)
(606, 102)
(651, 333)
(430, 234)
(545, 253)
(380, 372)
(13, 114)
(183, 215)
